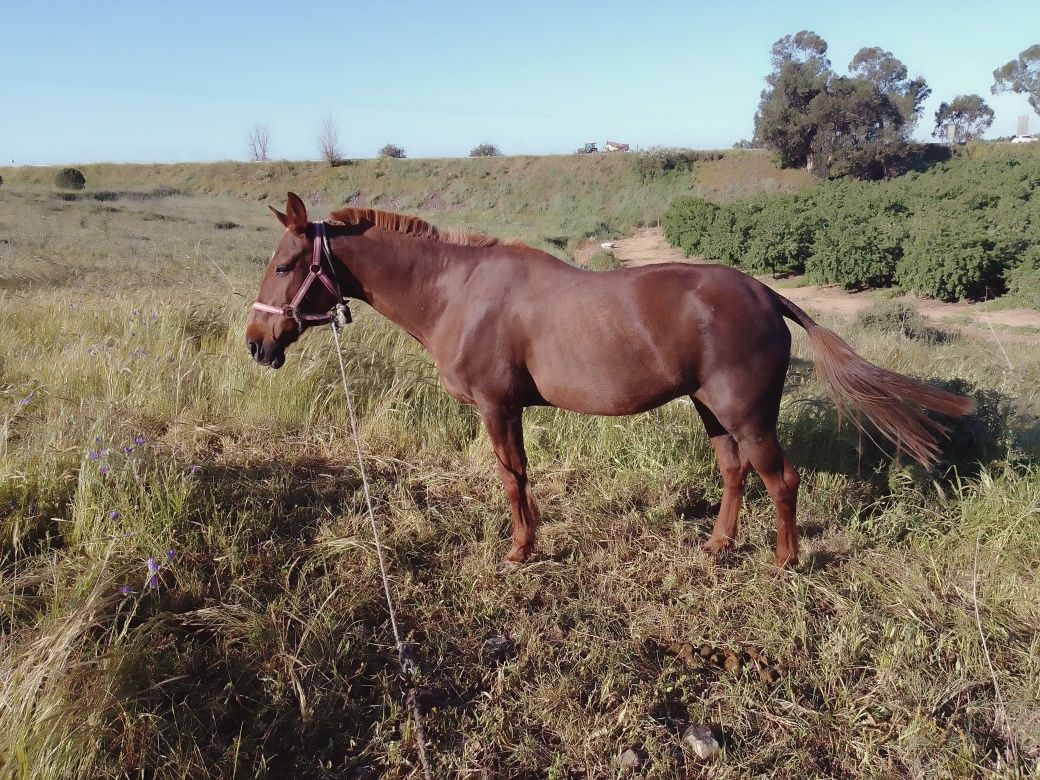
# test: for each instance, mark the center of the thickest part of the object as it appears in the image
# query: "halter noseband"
(317, 272)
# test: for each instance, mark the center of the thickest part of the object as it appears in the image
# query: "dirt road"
(649, 246)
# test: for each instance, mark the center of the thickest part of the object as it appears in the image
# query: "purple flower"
(114, 515)
(128, 450)
(94, 455)
(171, 554)
(138, 440)
(153, 581)
(103, 471)
(125, 590)
(153, 567)
(106, 452)
(28, 399)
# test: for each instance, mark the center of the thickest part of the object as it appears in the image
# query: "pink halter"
(292, 310)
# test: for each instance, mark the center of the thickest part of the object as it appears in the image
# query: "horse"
(510, 326)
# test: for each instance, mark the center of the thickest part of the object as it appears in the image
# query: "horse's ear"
(281, 217)
(296, 214)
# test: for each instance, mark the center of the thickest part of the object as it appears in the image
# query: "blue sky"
(163, 82)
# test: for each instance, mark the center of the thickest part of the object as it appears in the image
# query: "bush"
(70, 179)
(392, 150)
(896, 317)
(485, 150)
(949, 259)
(659, 161)
(1023, 281)
(686, 223)
(603, 261)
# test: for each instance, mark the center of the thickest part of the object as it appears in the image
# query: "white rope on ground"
(407, 665)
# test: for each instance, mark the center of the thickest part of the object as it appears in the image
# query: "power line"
(333, 101)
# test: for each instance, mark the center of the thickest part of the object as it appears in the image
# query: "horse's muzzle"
(272, 354)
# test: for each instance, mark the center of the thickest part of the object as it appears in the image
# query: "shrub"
(896, 317)
(70, 179)
(949, 259)
(686, 223)
(659, 161)
(1, 181)
(485, 150)
(1023, 281)
(603, 261)
(392, 150)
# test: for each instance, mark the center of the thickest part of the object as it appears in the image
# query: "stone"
(631, 760)
(702, 739)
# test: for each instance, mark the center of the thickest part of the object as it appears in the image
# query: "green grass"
(265, 648)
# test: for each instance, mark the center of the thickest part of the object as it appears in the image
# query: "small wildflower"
(153, 581)
(125, 590)
(28, 399)
(94, 455)
(106, 452)
(138, 441)
(103, 471)
(171, 554)
(114, 515)
(128, 450)
(153, 567)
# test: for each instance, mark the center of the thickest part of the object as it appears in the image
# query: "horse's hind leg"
(781, 481)
(734, 468)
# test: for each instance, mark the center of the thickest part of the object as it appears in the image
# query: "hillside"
(549, 201)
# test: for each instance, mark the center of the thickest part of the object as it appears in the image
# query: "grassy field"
(257, 642)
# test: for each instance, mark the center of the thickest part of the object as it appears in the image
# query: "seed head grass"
(190, 587)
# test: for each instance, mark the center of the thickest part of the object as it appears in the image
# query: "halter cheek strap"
(317, 272)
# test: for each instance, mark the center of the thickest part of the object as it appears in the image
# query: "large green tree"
(1022, 76)
(812, 117)
(967, 115)
(786, 119)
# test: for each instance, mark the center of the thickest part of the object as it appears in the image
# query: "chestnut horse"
(510, 326)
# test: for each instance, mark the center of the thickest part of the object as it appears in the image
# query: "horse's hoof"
(783, 564)
(716, 547)
(517, 556)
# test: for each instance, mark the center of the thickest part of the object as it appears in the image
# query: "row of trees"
(860, 124)
(258, 142)
(963, 229)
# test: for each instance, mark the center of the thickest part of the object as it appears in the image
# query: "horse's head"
(289, 300)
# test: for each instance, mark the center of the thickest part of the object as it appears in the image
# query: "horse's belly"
(612, 388)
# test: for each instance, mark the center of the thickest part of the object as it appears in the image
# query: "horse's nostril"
(254, 347)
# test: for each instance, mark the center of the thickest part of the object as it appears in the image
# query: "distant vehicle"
(615, 146)
(1023, 139)
(587, 149)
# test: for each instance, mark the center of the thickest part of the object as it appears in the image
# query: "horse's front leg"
(505, 428)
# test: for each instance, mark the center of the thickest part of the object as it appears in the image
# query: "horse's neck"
(402, 278)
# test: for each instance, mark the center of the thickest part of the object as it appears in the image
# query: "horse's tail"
(894, 403)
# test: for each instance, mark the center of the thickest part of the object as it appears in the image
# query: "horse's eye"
(281, 270)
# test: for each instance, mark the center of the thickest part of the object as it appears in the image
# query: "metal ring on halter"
(316, 272)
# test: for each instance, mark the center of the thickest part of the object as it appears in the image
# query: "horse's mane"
(409, 226)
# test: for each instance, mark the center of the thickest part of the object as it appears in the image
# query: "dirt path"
(649, 246)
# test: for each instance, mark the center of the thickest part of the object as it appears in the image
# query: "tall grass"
(134, 426)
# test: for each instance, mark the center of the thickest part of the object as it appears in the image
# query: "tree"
(485, 150)
(328, 141)
(857, 124)
(784, 121)
(259, 141)
(889, 76)
(392, 150)
(968, 115)
(1022, 76)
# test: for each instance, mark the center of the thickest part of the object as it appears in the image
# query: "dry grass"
(264, 647)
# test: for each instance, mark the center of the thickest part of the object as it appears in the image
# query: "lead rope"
(407, 664)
